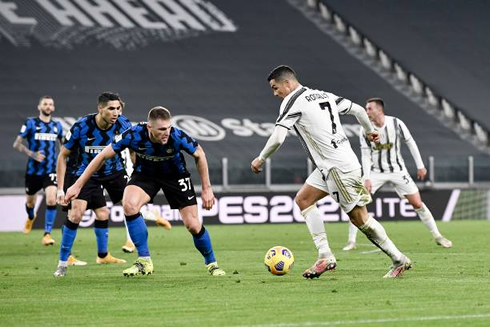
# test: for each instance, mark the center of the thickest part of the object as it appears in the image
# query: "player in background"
(88, 137)
(160, 164)
(314, 115)
(41, 134)
(383, 163)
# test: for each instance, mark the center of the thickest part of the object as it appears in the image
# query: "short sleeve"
(72, 137)
(122, 141)
(24, 130)
(187, 143)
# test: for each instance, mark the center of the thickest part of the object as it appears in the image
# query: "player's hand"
(60, 198)
(421, 173)
(368, 185)
(257, 165)
(72, 193)
(38, 156)
(373, 137)
(207, 198)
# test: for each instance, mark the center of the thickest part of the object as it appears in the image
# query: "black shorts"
(34, 183)
(93, 191)
(179, 191)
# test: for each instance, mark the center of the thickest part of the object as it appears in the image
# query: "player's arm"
(363, 119)
(94, 165)
(273, 144)
(366, 159)
(207, 196)
(60, 174)
(414, 150)
(20, 146)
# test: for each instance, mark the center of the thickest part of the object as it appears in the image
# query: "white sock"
(426, 216)
(146, 258)
(62, 263)
(128, 237)
(317, 230)
(352, 233)
(377, 235)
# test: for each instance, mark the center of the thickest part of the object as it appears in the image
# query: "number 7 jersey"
(314, 116)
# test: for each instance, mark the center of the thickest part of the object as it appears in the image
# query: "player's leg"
(50, 214)
(353, 197)
(69, 233)
(310, 193)
(32, 186)
(377, 180)
(134, 198)
(426, 216)
(351, 239)
(201, 237)
(101, 229)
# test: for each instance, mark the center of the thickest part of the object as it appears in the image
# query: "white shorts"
(346, 189)
(401, 181)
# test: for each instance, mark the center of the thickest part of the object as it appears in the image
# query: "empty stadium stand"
(208, 64)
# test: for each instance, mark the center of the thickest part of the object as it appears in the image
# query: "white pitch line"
(372, 251)
(373, 321)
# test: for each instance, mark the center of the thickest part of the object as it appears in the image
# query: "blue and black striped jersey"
(159, 160)
(86, 138)
(42, 137)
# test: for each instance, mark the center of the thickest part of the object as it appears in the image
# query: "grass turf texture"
(445, 287)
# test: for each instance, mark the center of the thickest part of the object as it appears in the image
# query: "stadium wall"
(273, 207)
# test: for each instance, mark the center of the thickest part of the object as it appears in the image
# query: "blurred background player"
(41, 134)
(88, 137)
(383, 163)
(159, 164)
(314, 115)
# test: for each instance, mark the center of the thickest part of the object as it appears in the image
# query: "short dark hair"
(378, 101)
(45, 97)
(281, 72)
(105, 97)
(159, 112)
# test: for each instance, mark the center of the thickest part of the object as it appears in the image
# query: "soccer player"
(314, 115)
(41, 134)
(88, 137)
(383, 163)
(160, 164)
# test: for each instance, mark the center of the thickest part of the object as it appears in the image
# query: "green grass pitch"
(446, 287)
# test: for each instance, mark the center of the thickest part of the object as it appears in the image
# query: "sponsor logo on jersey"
(45, 137)
(94, 149)
(386, 146)
(153, 158)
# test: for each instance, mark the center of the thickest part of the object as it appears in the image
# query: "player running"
(314, 115)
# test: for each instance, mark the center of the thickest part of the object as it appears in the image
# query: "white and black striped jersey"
(386, 156)
(314, 115)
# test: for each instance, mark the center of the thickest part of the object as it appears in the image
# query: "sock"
(101, 228)
(49, 219)
(68, 237)
(426, 216)
(30, 212)
(128, 237)
(377, 235)
(352, 233)
(139, 234)
(317, 230)
(202, 242)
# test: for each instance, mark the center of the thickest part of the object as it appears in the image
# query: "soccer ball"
(279, 260)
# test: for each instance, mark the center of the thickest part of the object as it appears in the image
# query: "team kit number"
(327, 105)
(185, 183)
